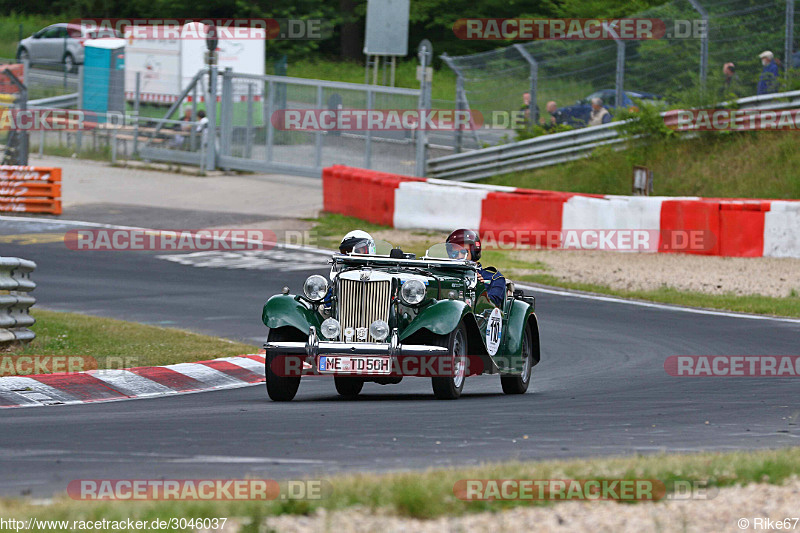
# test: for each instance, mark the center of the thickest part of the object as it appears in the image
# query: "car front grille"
(361, 303)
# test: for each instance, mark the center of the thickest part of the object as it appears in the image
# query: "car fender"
(284, 310)
(520, 316)
(440, 318)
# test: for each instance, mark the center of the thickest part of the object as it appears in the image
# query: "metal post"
(459, 107)
(226, 113)
(248, 150)
(136, 97)
(22, 104)
(41, 143)
(620, 81)
(63, 56)
(533, 107)
(270, 111)
(424, 107)
(789, 37)
(703, 42)
(368, 144)
(318, 143)
(80, 87)
(211, 115)
(192, 132)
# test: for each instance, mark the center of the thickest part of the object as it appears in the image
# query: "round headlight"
(330, 328)
(412, 292)
(379, 330)
(315, 288)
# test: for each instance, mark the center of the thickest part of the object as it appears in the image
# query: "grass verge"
(112, 341)
(733, 165)
(330, 228)
(429, 494)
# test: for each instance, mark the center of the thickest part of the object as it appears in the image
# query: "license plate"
(348, 364)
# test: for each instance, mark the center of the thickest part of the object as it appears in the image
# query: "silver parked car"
(59, 43)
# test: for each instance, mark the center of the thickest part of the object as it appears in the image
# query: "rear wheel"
(349, 387)
(450, 387)
(281, 388)
(23, 56)
(519, 384)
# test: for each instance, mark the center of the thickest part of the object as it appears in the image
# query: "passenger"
(492, 278)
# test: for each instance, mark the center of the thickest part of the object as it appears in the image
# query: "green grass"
(10, 29)
(110, 341)
(429, 494)
(761, 305)
(330, 228)
(735, 165)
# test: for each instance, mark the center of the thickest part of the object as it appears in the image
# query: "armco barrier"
(30, 189)
(15, 283)
(731, 227)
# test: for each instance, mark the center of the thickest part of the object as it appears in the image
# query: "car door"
(53, 42)
(35, 45)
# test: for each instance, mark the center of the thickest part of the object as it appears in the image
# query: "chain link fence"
(684, 66)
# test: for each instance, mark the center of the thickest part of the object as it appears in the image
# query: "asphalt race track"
(601, 388)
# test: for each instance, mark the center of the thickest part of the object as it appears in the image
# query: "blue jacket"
(768, 81)
(495, 285)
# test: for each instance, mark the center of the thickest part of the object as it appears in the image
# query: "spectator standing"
(556, 116)
(599, 114)
(768, 81)
(730, 85)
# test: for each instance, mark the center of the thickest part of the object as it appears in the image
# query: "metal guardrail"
(565, 146)
(61, 102)
(15, 283)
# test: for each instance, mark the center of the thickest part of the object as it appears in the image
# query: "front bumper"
(314, 347)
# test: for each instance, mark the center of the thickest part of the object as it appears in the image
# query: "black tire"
(450, 387)
(518, 384)
(281, 388)
(22, 55)
(349, 387)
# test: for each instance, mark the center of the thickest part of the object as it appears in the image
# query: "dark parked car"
(577, 115)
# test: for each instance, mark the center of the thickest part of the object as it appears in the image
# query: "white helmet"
(357, 242)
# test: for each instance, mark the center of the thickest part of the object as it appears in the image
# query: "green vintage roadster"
(390, 315)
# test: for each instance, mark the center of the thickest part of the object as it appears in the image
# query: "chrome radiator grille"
(361, 303)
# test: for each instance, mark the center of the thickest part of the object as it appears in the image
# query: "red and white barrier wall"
(738, 227)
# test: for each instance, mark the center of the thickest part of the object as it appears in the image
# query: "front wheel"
(450, 387)
(281, 388)
(519, 384)
(349, 387)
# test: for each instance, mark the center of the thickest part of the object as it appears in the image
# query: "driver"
(357, 242)
(490, 276)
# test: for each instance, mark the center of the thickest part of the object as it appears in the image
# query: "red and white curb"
(131, 383)
(740, 227)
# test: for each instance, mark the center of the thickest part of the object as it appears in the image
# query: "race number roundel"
(494, 331)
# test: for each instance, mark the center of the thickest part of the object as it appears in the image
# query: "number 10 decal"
(494, 331)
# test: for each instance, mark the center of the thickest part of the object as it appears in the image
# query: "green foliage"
(644, 122)
(734, 165)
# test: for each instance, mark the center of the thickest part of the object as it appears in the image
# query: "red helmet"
(468, 239)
